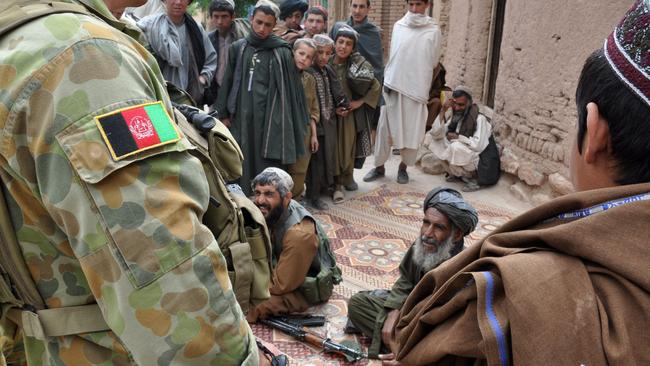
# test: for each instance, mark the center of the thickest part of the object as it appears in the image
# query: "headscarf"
(627, 51)
(451, 203)
(269, 4)
(289, 6)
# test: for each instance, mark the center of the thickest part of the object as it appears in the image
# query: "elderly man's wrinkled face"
(436, 229)
(437, 239)
(293, 20)
(458, 105)
(271, 204)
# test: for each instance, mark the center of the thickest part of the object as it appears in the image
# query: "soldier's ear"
(287, 199)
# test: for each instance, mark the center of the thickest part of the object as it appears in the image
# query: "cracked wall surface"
(543, 47)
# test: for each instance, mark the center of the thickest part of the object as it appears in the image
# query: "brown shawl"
(541, 293)
(468, 127)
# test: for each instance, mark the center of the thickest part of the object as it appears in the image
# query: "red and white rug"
(369, 234)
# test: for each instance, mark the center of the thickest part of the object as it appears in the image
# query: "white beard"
(427, 260)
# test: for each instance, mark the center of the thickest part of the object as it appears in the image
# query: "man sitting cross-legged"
(447, 219)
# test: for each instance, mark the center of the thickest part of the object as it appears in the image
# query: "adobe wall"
(543, 48)
(465, 26)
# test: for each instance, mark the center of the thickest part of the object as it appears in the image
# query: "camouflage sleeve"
(132, 225)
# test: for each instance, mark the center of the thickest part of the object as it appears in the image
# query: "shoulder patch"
(128, 131)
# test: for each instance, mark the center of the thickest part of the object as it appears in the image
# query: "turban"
(269, 4)
(289, 6)
(627, 50)
(451, 203)
(283, 177)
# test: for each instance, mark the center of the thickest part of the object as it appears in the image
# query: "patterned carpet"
(369, 235)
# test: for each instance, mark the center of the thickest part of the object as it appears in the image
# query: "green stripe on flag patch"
(161, 122)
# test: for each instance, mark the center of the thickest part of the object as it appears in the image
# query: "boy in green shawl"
(264, 106)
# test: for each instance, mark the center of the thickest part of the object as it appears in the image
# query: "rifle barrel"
(313, 339)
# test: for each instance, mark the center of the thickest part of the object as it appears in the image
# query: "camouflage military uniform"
(124, 233)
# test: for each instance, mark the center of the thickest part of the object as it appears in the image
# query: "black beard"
(274, 215)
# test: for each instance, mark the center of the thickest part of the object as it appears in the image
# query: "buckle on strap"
(59, 321)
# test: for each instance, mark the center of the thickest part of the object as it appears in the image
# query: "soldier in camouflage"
(105, 217)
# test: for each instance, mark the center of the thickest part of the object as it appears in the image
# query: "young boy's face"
(303, 56)
(324, 55)
(344, 47)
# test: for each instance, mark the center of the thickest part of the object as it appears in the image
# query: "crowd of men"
(318, 117)
(105, 199)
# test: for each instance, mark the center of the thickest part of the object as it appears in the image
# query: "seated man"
(447, 219)
(458, 138)
(566, 283)
(304, 269)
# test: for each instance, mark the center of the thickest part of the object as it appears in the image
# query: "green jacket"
(125, 233)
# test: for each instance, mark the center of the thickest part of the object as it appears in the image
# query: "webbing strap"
(13, 270)
(242, 262)
(60, 321)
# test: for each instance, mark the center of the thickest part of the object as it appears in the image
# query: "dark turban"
(451, 203)
(289, 6)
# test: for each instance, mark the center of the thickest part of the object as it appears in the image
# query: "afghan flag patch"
(134, 129)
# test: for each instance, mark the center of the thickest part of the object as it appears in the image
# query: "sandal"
(338, 196)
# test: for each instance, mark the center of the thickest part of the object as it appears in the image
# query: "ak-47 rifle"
(304, 335)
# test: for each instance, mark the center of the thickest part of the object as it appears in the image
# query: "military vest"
(236, 223)
(323, 273)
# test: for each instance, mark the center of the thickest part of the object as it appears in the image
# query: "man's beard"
(459, 115)
(274, 214)
(428, 260)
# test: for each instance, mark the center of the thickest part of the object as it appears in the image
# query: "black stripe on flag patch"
(118, 135)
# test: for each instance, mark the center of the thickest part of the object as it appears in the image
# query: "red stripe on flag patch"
(141, 127)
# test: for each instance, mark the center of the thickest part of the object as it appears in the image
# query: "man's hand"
(264, 358)
(356, 104)
(342, 111)
(389, 360)
(203, 80)
(225, 121)
(452, 136)
(314, 144)
(387, 329)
